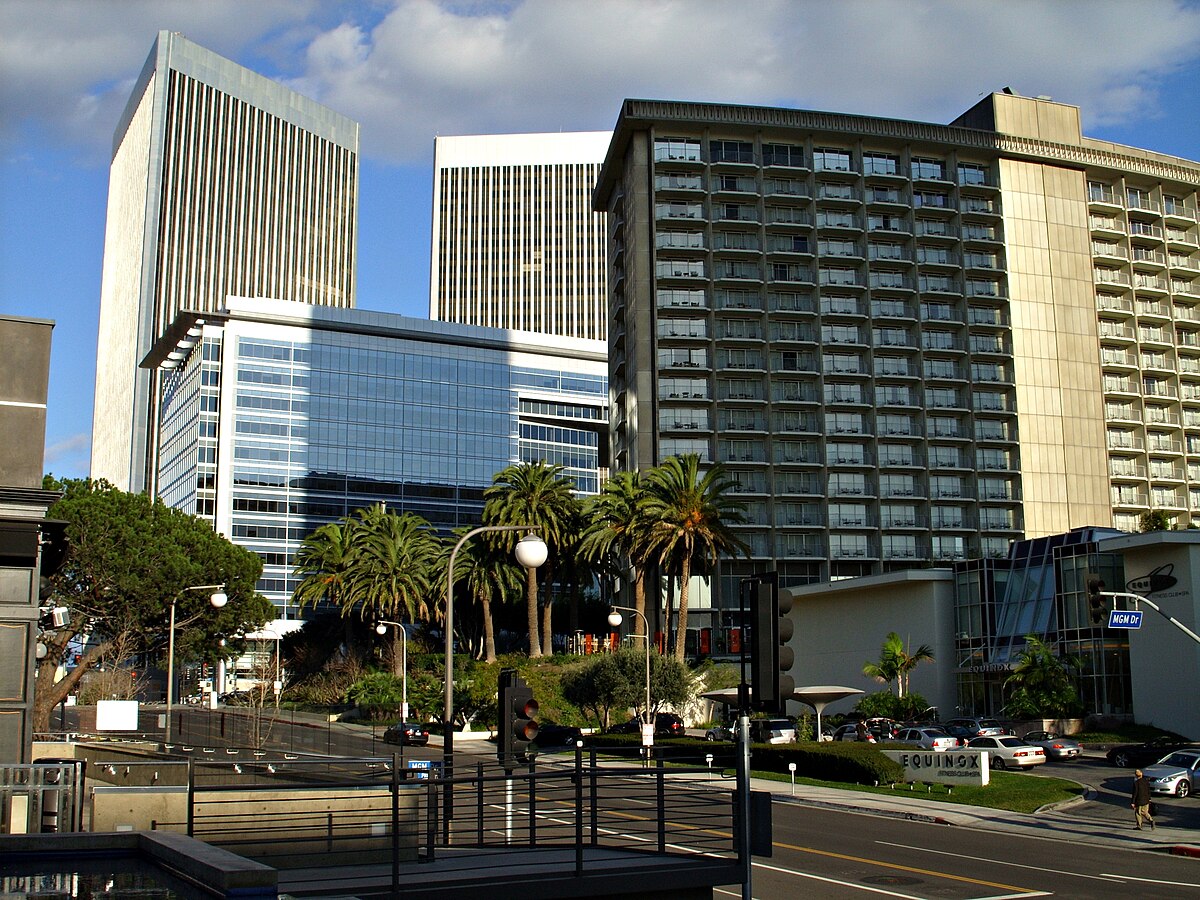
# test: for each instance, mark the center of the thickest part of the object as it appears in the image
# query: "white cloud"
(70, 450)
(410, 69)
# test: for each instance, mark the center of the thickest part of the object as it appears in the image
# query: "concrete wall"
(1164, 662)
(841, 625)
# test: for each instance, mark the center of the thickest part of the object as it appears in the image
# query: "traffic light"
(1097, 602)
(771, 655)
(517, 726)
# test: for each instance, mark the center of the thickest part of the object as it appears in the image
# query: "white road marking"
(1003, 862)
(1191, 884)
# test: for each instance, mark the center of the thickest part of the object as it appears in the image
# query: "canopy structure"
(821, 695)
(817, 696)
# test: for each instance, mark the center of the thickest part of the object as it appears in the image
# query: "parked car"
(719, 733)
(850, 733)
(1177, 773)
(772, 731)
(1005, 751)
(967, 728)
(411, 734)
(1128, 756)
(927, 738)
(553, 735)
(665, 725)
(1056, 746)
(235, 698)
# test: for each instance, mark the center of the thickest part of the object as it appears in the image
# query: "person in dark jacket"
(1141, 800)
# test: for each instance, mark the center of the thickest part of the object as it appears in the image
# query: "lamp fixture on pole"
(218, 598)
(381, 628)
(614, 619)
(531, 553)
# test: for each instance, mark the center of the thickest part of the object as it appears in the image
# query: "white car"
(1006, 751)
(1056, 746)
(1177, 773)
(927, 738)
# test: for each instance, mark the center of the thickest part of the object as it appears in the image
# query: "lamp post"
(218, 599)
(614, 619)
(381, 629)
(531, 552)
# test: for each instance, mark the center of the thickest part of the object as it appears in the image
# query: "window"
(676, 210)
(892, 365)
(837, 305)
(735, 240)
(783, 155)
(741, 183)
(875, 163)
(843, 393)
(844, 423)
(893, 395)
(677, 149)
(792, 187)
(941, 368)
(739, 359)
(949, 517)
(936, 255)
(841, 453)
(935, 284)
(831, 159)
(674, 181)
(896, 455)
(733, 268)
(682, 418)
(944, 427)
(837, 247)
(694, 299)
(939, 340)
(682, 389)
(877, 194)
(945, 458)
(885, 251)
(942, 398)
(687, 328)
(847, 484)
(731, 151)
(945, 486)
(739, 328)
(828, 218)
(737, 298)
(924, 168)
(735, 212)
(935, 199)
(847, 515)
(685, 357)
(840, 334)
(788, 243)
(841, 276)
(895, 426)
(679, 240)
(841, 363)
(884, 308)
(741, 389)
(897, 485)
(890, 337)
(679, 268)
(848, 546)
(880, 222)
(790, 272)
(834, 191)
(973, 173)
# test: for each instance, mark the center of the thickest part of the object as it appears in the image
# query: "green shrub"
(848, 762)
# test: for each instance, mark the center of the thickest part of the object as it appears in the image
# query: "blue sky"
(408, 70)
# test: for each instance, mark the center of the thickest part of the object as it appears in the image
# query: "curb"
(865, 810)
(1184, 850)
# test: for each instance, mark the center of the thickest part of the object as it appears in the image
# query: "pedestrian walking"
(1140, 800)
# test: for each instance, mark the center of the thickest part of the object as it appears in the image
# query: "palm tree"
(896, 663)
(618, 532)
(324, 564)
(1043, 683)
(396, 556)
(531, 494)
(690, 514)
(491, 577)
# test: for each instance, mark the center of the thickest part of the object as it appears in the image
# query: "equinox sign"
(1160, 579)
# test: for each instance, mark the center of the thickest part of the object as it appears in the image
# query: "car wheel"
(998, 763)
(709, 736)
(1183, 788)
(1121, 760)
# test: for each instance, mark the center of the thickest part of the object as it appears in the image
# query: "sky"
(408, 70)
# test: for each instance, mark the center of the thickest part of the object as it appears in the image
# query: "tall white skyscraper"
(516, 243)
(222, 182)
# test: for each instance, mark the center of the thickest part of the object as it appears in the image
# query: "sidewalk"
(1057, 822)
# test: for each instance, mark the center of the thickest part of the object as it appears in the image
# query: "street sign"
(423, 768)
(1125, 618)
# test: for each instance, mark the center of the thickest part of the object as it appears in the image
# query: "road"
(836, 854)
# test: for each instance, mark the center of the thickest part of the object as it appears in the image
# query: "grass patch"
(1021, 792)
(1126, 734)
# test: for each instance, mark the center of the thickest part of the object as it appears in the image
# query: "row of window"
(721, 211)
(824, 159)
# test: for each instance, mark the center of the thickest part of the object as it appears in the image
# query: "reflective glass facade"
(316, 416)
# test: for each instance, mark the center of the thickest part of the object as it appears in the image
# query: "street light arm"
(1138, 598)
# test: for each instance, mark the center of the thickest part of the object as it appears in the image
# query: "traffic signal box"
(771, 656)
(1098, 604)
(518, 727)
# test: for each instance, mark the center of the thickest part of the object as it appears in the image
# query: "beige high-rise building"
(222, 182)
(516, 243)
(908, 343)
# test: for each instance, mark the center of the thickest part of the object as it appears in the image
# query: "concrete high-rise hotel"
(908, 343)
(222, 183)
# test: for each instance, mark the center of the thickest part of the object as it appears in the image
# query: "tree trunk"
(48, 694)
(489, 634)
(685, 576)
(531, 611)
(547, 627)
(397, 655)
(639, 602)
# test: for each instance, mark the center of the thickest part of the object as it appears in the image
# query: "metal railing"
(43, 797)
(326, 813)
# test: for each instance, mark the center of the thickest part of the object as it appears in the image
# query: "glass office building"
(279, 417)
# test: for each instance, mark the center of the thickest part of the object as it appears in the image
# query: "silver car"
(1056, 746)
(1009, 751)
(927, 738)
(1176, 773)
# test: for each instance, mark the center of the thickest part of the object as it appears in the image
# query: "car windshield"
(1183, 760)
(1011, 742)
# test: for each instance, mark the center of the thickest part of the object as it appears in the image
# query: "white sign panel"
(647, 734)
(116, 715)
(945, 767)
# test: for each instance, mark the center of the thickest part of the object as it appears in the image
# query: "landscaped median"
(853, 767)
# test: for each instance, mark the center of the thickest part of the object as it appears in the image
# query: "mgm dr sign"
(953, 767)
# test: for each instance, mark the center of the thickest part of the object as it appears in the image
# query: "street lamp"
(614, 619)
(531, 553)
(218, 598)
(381, 629)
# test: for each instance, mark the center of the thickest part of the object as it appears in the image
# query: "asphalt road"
(836, 854)
(1112, 786)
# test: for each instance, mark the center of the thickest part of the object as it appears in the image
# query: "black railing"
(369, 812)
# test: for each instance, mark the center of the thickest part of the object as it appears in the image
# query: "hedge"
(848, 762)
